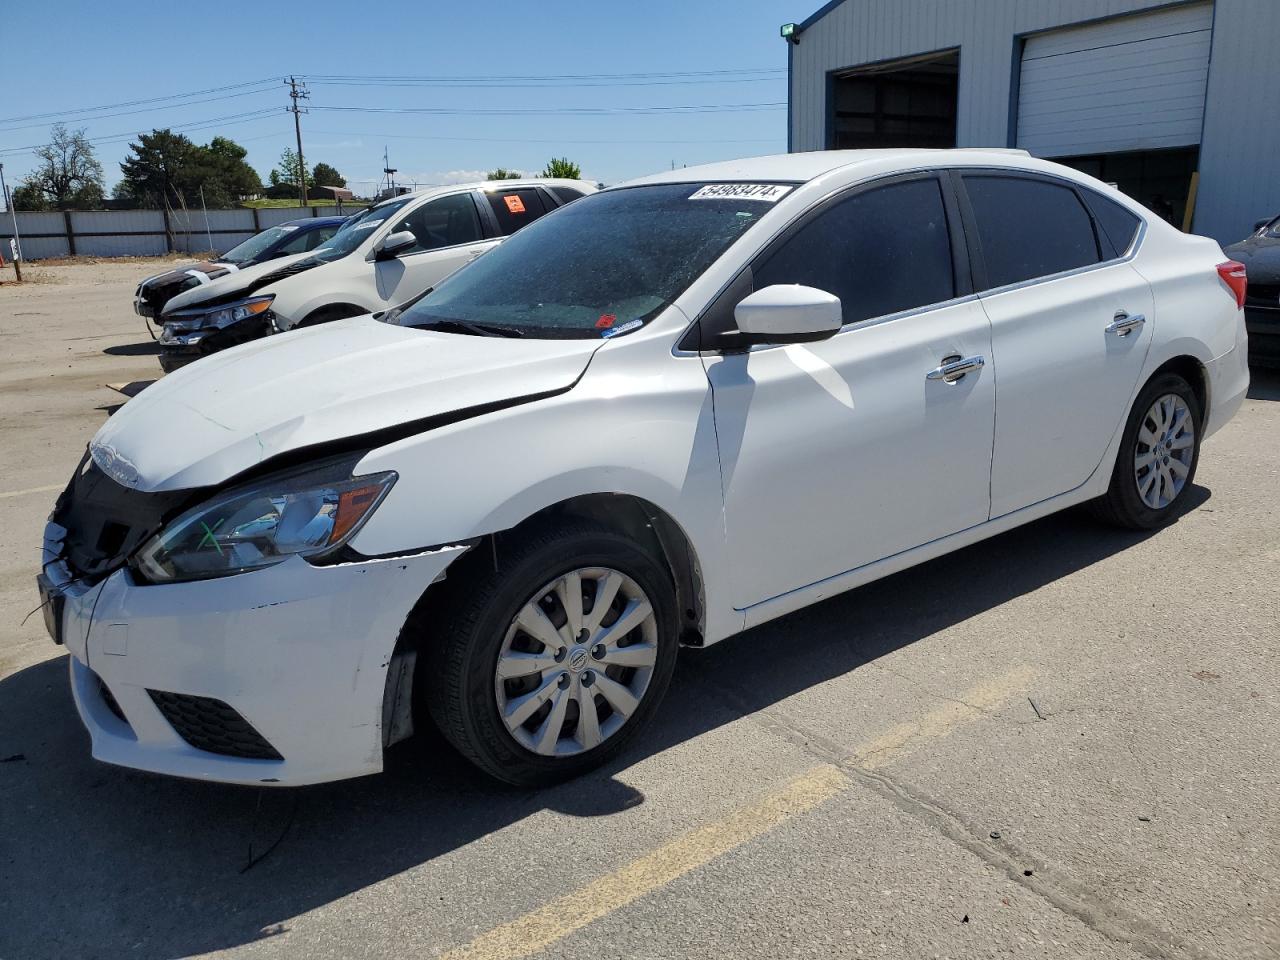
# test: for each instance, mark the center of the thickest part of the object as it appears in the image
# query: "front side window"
(881, 251)
(603, 265)
(1029, 228)
(446, 222)
(516, 208)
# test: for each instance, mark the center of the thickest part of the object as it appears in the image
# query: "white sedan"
(658, 416)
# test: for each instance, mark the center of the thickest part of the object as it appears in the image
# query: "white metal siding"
(1136, 83)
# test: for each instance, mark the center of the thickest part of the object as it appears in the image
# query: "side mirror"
(787, 313)
(394, 244)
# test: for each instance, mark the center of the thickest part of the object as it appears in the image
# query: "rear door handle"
(1122, 324)
(953, 369)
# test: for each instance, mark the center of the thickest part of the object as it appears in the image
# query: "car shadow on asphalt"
(147, 348)
(101, 861)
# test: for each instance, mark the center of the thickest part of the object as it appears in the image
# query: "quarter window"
(446, 222)
(516, 208)
(880, 251)
(1118, 225)
(566, 194)
(1029, 228)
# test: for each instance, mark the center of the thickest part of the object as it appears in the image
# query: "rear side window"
(446, 222)
(566, 194)
(1118, 225)
(881, 251)
(1029, 228)
(516, 208)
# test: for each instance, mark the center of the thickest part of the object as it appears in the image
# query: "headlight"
(306, 514)
(223, 315)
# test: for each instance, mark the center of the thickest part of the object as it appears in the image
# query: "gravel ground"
(1059, 743)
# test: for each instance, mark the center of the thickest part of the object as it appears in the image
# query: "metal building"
(1141, 93)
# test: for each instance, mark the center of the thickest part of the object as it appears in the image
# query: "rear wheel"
(1158, 455)
(546, 665)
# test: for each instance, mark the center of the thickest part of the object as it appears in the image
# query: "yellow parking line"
(23, 493)
(554, 921)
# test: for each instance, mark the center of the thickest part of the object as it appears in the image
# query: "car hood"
(233, 410)
(1260, 256)
(241, 283)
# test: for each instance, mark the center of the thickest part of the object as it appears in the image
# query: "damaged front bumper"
(276, 676)
(181, 343)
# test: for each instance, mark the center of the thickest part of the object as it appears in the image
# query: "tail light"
(1233, 275)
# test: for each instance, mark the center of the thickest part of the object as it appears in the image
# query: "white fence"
(142, 233)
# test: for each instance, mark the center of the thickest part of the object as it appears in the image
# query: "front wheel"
(547, 663)
(1159, 451)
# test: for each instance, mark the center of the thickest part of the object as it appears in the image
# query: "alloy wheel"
(1164, 451)
(576, 662)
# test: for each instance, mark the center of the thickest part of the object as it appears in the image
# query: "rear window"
(1029, 228)
(516, 208)
(566, 194)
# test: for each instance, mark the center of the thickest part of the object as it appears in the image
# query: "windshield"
(256, 246)
(600, 266)
(356, 231)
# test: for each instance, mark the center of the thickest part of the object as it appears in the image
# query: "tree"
(502, 173)
(161, 171)
(167, 170)
(323, 175)
(562, 168)
(69, 175)
(287, 171)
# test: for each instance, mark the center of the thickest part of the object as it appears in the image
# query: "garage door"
(1134, 83)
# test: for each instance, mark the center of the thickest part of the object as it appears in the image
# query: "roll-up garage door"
(1132, 83)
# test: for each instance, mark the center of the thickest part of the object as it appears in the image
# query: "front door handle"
(1122, 324)
(953, 369)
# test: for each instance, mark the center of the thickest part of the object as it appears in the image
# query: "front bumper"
(299, 652)
(179, 346)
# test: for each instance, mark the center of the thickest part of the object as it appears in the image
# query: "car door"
(839, 453)
(1071, 322)
(448, 234)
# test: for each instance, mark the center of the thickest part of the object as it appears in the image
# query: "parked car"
(1260, 254)
(666, 413)
(381, 258)
(296, 236)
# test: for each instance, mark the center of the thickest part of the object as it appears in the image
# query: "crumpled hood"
(233, 410)
(241, 283)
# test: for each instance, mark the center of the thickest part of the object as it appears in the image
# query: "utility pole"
(17, 243)
(298, 91)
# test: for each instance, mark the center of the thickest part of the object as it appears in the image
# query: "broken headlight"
(223, 315)
(305, 514)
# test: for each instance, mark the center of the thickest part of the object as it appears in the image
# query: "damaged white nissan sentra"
(659, 415)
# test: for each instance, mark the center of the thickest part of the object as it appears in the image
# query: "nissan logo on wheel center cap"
(577, 659)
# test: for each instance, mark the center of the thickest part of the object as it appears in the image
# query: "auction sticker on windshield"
(766, 192)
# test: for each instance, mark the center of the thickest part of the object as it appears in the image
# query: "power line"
(122, 137)
(565, 111)
(410, 136)
(134, 103)
(622, 78)
(164, 106)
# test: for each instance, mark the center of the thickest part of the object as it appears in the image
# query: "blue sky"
(100, 55)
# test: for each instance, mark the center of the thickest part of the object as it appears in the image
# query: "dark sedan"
(1260, 254)
(296, 236)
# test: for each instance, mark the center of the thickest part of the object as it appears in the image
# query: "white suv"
(379, 259)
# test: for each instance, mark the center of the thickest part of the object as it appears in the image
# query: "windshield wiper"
(469, 326)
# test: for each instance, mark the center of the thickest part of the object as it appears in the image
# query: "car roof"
(313, 222)
(586, 186)
(803, 167)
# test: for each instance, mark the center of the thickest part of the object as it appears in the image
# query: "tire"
(1139, 498)
(458, 680)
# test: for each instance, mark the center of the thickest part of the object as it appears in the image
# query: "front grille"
(213, 726)
(1263, 295)
(106, 521)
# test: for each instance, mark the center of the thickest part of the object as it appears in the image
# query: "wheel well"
(1192, 371)
(330, 312)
